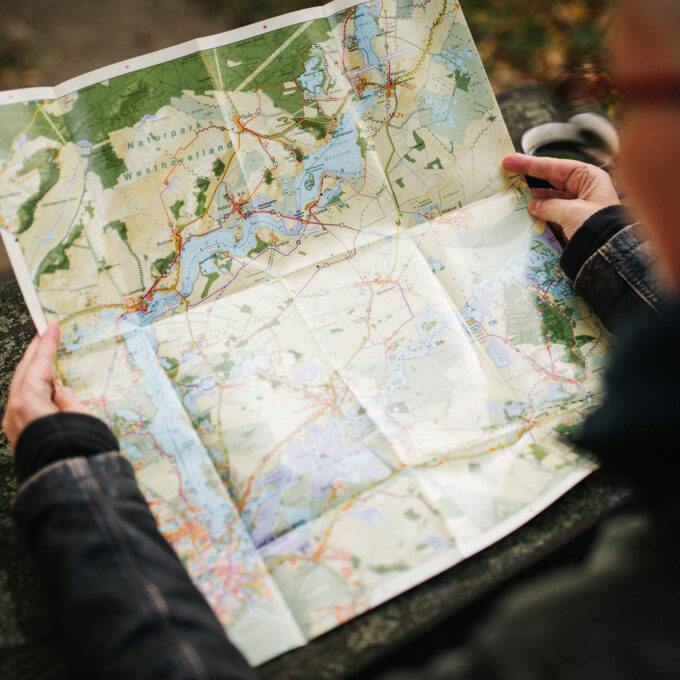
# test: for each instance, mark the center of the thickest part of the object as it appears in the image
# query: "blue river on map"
(199, 248)
(170, 429)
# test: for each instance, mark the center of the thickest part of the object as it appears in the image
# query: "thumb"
(66, 400)
(570, 214)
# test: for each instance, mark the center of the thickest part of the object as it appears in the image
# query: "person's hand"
(580, 190)
(32, 393)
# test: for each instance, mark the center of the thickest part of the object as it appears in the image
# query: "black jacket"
(123, 603)
(125, 606)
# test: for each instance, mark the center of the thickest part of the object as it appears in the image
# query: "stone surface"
(28, 647)
(526, 106)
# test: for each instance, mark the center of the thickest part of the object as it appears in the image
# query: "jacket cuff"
(58, 436)
(592, 235)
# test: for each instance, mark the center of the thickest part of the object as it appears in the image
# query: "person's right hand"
(580, 191)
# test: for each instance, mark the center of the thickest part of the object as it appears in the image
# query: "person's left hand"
(32, 393)
(580, 190)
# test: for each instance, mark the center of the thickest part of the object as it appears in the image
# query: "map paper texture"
(293, 278)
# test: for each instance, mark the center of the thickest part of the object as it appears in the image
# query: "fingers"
(66, 400)
(570, 214)
(563, 174)
(553, 170)
(580, 190)
(550, 193)
(45, 347)
(32, 394)
(551, 209)
(42, 364)
(517, 162)
(33, 374)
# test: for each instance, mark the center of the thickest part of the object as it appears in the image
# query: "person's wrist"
(592, 235)
(58, 436)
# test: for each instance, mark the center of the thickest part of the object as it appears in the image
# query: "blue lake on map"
(340, 156)
(365, 30)
(312, 79)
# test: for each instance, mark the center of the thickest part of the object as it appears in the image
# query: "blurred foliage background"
(518, 40)
(558, 43)
(544, 40)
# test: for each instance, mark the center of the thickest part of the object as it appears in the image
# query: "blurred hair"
(662, 18)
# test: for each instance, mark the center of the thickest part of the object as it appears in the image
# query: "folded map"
(293, 278)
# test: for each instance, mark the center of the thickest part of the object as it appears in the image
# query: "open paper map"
(293, 278)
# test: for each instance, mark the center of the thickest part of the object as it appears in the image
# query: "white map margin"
(16, 257)
(175, 52)
(453, 556)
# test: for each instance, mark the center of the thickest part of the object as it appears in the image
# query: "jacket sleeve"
(122, 601)
(610, 263)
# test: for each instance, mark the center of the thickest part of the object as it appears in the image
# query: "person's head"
(645, 49)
